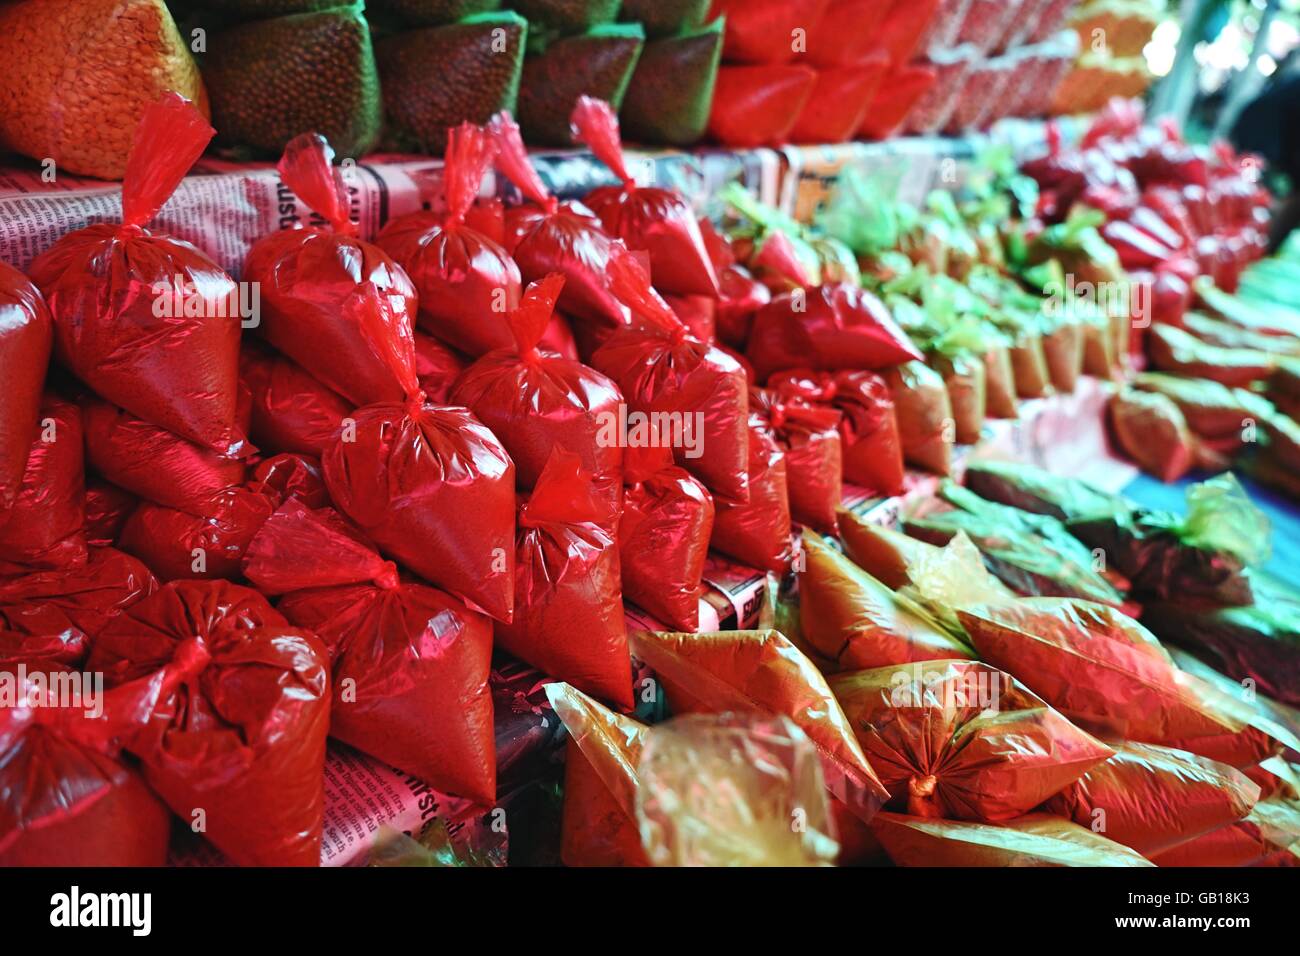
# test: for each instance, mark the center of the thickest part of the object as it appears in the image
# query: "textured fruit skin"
(667, 102)
(271, 80)
(594, 65)
(431, 13)
(437, 78)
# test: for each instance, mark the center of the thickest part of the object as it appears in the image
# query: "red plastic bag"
(849, 31)
(109, 288)
(757, 106)
(311, 280)
(568, 597)
(660, 221)
(155, 464)
(431, 485)
(291, 410)
(536, 401)
(1266, 837)
(762, 31)
(107, 508)
(757, 533)
(415, 659)
(243, 739)
(436, 368)
(831, 327)
(839, 101)
(663, 538)
(963, 740)
(901, 32)
(293, 476)
(814, 455)
(898, 94)
(1152, 430)
(26, 337)
(467, 281)
(43, 528)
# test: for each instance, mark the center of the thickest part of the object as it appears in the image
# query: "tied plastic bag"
(568, 597)
(1268, 836)
(663, 538)
(660, 221)
(722, 790)
(840, 99)
(759, 31)
(1035, 839)
(925, 416)
(963, 740)
(290, 410)
(466, 280)
(415, 659)
(148, 321)
(831, 327)
(107, 508)
(43, 528)
(756, 106)
(429, 484)
(243, 738)
(436, 367)
(872, 447)
(853, 620)
(757, 532)
(293, 476)
(312, 282)
(1154, 798)
(536, 401)
(26, 337)
(814, 455)
(598, 825)
(1152, 430)
(762, 672)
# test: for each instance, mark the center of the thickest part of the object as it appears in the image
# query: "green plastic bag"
(598, 63)
(671, 91)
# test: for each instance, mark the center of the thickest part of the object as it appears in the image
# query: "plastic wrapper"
(1108, 674)
(1153, 798)
(903, 26)
(964, 378)
(568, 16)
(107, 508)
(839, 101)
(415, 660)
(722, 791)
(598, 64)
(999, 382)
(1212, 410)
(761, 671)
(434, 79)
(536, 401)
(899, 92)
(568, 596)
(290, 410)
(292, 476)
(987, 21)
(436, 368)
(757, 532)
(848, 32)
(810, 437)
(599, 824)
(925, 416)
(1151, 430)
(43, 528)
(832, 327)
(960, 739)
(887, 555)
(1268, 836)
(26, 337)
(1035, 490)
(430, 485)
(1035, 839)
(852, 619)
(660, 221)
(1173, 350)
(668, 99)
(663, 538)
(466, 280)
(313, 281)
(757, 106)
(240, 745)
(104, 283)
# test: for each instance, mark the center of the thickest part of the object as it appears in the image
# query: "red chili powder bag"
(311, 280)
(293, 476)
(429, 484)
(1154, 798)
(1268, 836)
(536, 401)
(962, 739)
(436, 368)
(756, 106)
(659, 221)
(757, 532)
(925, 419)
(26, 337)
(43, 528)
(291, 410)
(410, 664)
(814, 455)
(241, 743)
(568, 595)
(748, 671)
(663, 538)
(848, 31)
(830, 327)
(107, 508)
(1153, 431)
(110, 289)
(760, 31)
(839, 101)
(467, 281)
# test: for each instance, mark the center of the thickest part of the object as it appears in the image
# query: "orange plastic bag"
(1151, 429)
(1035, 839)
(757, 532)
(925, 416)
(1268, 836)
(26, 337)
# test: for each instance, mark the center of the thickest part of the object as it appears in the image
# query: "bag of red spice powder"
(436, 368)
(814, 457)
(291, 410)
(415, 659)
(757, 533)
(659, 221)
(26, 337)
(466, 280)
(568, 596)
(107, 508)
(110, 288)
(311, 281)
(242, 739)
(43, 528)
(429, 484)
(535, 401)
(293, 476)
(663, 538)
(740, 295)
